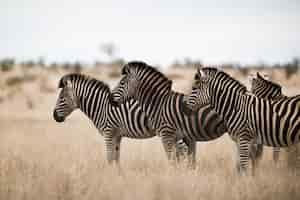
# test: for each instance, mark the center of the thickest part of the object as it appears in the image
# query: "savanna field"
(42, 159)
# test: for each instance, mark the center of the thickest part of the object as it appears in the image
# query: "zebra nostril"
(57, 118)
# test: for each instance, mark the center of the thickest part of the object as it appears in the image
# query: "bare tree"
(109, 49)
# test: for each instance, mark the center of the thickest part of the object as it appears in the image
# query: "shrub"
(7, 64)
(291, 68)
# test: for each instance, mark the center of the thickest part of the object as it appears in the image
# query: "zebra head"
(199, 95)
(66, 102)
(127, 86)
(264, 88)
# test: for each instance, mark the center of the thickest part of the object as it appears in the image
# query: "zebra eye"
(197, 77)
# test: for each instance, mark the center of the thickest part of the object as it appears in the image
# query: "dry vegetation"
(41, 159)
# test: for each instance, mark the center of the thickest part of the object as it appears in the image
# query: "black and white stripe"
(114, 121)
(247, 117)
(165, 107)
(264, 88)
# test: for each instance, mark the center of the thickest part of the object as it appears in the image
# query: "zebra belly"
(137, 135)
(201, 127)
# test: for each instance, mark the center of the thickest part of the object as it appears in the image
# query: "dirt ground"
(41, 159)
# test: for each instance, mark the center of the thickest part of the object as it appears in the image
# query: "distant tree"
(77, 67)
(28, 64)
(244, 70)
(227, 66)
(7, 64)
(291, 67)
(188, 62)
(176, 64)
(296, 63)
(118, 62)
(276, 66)
(197, 63)
(41, 62)
(54, 66)
(66, 66)
(109, 49)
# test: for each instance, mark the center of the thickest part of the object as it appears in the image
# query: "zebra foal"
(93, 98)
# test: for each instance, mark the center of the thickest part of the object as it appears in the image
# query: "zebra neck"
(152, 104)
(268, 93)
(232, 106)
(94, 103)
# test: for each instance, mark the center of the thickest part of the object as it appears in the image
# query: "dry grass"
(41, 159)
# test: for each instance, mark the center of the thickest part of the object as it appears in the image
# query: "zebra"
(264, 88)
(248, 118)
(93, 97)
(164, 107)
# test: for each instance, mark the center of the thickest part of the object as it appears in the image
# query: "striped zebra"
(248, 118)
(164, 107)
(94, 99)
(264, 88)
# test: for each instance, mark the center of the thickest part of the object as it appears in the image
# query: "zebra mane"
(142, 66)
(82, 78)
(215, 72)
(268, 82)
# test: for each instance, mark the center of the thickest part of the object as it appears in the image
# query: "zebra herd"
(143, 105)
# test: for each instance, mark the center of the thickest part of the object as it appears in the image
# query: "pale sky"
(155, 31)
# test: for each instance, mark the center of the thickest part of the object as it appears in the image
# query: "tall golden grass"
(43, 160)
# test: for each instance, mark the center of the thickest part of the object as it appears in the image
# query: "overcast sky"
(155, 31)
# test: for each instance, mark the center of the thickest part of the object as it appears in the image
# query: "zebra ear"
(258, 75)
(125, 70)
(61, 83)
(197, 75)
(64, 82)
(202, 75)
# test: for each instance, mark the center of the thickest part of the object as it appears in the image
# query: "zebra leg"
(111, 146)
(181, 150)
(293, 160)
(168, 137)
(255, 152)
(297, 154)
(243, 150)
(276, 151)
(237, 157)
(117, 149)
(192, 154)
(186, 150)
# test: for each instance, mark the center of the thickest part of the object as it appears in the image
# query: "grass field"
(41, 159)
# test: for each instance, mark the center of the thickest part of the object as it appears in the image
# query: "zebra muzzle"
(57, 117)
